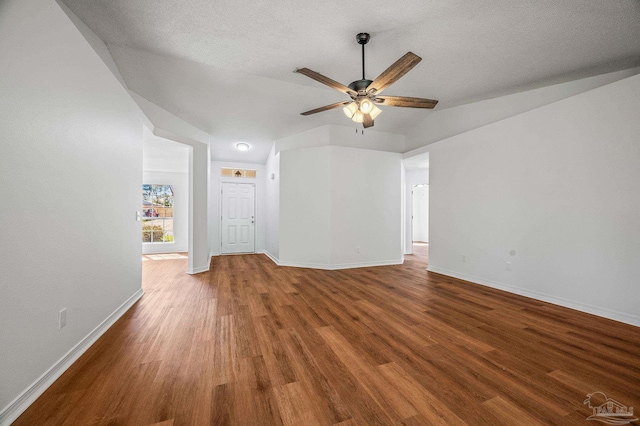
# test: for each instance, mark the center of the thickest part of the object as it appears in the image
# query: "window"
(237, 173)
(157, 213)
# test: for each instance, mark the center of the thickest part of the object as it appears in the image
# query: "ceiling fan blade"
(368, 121)
(405, 101)
(394, 72)
(325, 80)
(325, 108)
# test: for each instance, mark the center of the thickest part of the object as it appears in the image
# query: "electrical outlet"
(62, 318)
(508, 266)
(463, 258)
(357, 249)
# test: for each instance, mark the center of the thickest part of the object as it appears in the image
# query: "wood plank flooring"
(251, 343)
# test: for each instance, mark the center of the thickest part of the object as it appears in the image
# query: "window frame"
(152, 220)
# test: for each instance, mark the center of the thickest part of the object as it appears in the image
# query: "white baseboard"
(270, 256)
(333, 267)
(12, 411)
(214, 253)
(198, 270)
(365, 264)
(590, 309)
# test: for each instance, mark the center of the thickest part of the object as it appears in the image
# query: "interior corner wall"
(366, 224)
(214, 204)
(272, 204)
(340, 207)
(552, 191)
(180, 182)
(71, 168)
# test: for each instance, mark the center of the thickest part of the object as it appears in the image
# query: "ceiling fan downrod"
(363, 38)
(360, 86)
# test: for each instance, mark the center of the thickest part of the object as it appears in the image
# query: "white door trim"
(411, 187)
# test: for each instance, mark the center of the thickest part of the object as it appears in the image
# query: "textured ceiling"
(227, 66)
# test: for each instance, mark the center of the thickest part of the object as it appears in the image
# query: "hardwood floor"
(251, 343)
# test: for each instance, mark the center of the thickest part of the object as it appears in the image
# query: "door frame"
(255, 214)
(412, 186)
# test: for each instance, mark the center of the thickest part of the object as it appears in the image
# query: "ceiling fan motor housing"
(360, 85)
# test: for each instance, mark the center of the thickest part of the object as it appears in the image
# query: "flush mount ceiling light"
(242, 146)
(365, 94)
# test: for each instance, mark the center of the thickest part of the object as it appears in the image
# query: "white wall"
(420, 220)
(180, 182)
(339, 207)
(163, 123)
(272, 203)
(95, 42)
(412, 177)
(305, 206)
(214, 205)
(558, 185)
(365, 207)
(71, 168)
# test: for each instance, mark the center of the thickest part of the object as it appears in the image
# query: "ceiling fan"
(365, 94)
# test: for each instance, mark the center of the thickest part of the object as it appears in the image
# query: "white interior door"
(238, 218)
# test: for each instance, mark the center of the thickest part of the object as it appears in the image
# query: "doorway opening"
(164, 207)
(420, 219)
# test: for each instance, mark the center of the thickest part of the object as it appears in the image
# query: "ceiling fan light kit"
(350, 109)
(375, 111)
(365, 94)
(358, 117)
(366, 106)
